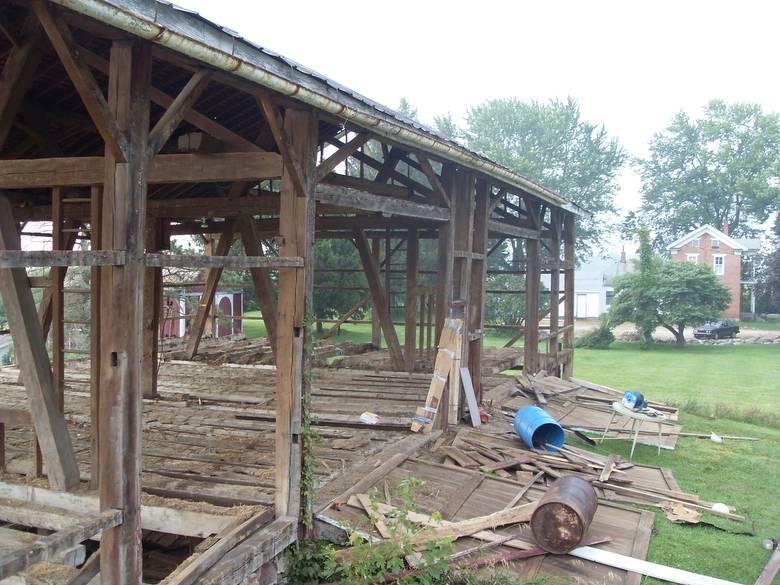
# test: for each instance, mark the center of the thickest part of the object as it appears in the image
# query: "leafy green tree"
(768, 282)
(673, 295)
(334, 294)
(688, 294)
(551, 144)
(721, 167)
(447, 126)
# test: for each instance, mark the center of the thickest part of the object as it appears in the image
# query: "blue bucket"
(538, 429)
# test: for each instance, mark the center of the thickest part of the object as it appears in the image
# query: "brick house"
(711, 246)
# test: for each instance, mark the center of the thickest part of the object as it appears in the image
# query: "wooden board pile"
(614, 478)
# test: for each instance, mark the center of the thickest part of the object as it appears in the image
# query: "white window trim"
(696, 243)
(712, 244)
(722, 264)
(692, 258)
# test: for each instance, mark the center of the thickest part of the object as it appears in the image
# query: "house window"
(692, 258)
(609, 296)
(718, 264)
(715, 244)
(695, 243)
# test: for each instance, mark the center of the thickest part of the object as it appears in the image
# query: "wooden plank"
(771, 569)
(199, 563)
(568, 293)
(175, 113)
(82, 78)
(376, 327)
(618, 561)
(209, 290)
(47, 547)
(222, 262)
(78, 171)
(532, 286)
(355, 199)
(264, 289)
(410, 301)
(153, 301)
(22, 258)
(338, 157)
(378, 295)
(34, 362)
(95, 287)
(292, 163)
(433, 179)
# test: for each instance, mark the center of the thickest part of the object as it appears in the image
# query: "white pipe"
(140, 26)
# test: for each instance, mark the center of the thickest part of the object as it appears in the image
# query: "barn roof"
(189, 34)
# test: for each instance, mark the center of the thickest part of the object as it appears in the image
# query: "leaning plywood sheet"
(460, 494)
(573, 413)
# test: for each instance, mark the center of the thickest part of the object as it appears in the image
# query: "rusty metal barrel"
(562, 516)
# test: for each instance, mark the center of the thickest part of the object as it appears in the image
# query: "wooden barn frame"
(125, 122)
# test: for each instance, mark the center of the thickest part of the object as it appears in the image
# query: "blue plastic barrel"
(538, 428)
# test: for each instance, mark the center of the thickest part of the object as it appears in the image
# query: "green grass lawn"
(730, 382)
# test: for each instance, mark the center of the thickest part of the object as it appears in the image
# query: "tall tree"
(722, 167)
(550, 143)
(768, 281)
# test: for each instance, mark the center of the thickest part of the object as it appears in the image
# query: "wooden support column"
(297, 140)
(463, 200)
(445, 256)
(152, 307)
(568, 293)
(209, 290)
(410, 303)
(532, 283)
(121, 311)
(479, 260)
(380, 300)
(56, 284)
(96, 238)
(553, 366)
(30, 347)
(376, 328)
(264, 288)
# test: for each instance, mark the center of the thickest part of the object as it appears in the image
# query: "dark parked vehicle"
(717, 330)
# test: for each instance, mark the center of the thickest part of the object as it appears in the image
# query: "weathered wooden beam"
(338, 157)
(200, 121)
(164, 168)
(175, 113)
(34, 363)
(433, 179)
(532, 287)
(410, 302)
(293, 366)
(264, 288)
(343, 196)
(18, 73)
(568, 292)
(121, 312)
(209, 290)
(153, 299)
(95, 331)
(220, 261)
(504, 229)
(22, 258)
(476, 310)
(91, 95)
(46, 547)
(289, 156)
(379, 299)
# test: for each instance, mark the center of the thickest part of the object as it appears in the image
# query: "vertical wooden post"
(376, 328)
(477, 286)
(95, 242)
(532, 277)
(444, 259)
(568, 293)
(555, 288)
(463, 199)
(421, 326)
(296, 228)
(152, 307)
(56, 283)
(410, 303)
(121, 319)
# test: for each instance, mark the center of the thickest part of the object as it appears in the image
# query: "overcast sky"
(632, 65)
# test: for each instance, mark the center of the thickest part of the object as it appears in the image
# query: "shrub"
(600, 338)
